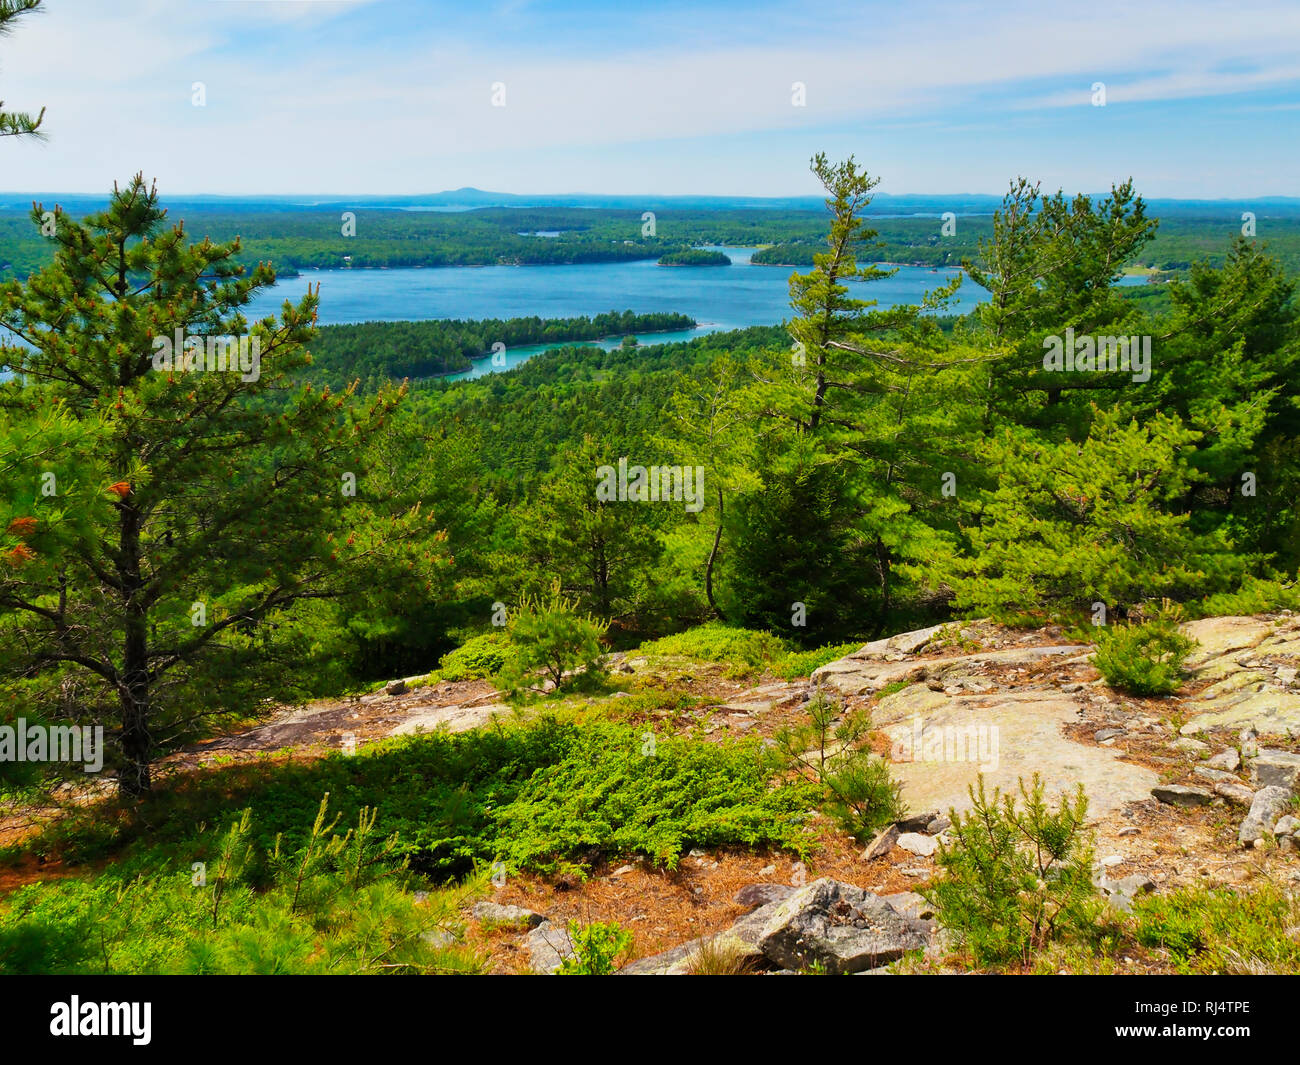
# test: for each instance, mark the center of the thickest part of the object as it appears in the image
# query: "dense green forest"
(374, 352)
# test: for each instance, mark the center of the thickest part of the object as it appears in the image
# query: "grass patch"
(1214, 930)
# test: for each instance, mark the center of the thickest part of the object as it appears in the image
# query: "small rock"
(1235, 792)
(915, 822)
(1249, 741)
(1135, 885)
(767, 870)
(1121, 893)
(882, 844)
(1180, 795)
(1228, 760)
(395, 687)
(623, 870)
(918, 844)
(1102, 735)
(840, 927)
(910, 904)
(1287, 826)
(1131, 830)
(939, 824)
(548, 946)
(1112, 860)
(1215, 776)
(1190, 745)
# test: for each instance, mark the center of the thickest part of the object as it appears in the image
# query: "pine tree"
(222, 493)
(1053, 264)
(880, 395)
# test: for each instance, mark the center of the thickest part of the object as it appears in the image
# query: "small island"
(694, 257)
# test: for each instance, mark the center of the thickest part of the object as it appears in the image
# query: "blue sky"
(618, 96)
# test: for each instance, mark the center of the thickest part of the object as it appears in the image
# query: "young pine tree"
(202, 504)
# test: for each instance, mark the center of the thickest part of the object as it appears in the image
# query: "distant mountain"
(469, 199)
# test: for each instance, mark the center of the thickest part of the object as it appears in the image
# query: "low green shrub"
(536, 795)
(477, 658)
(1255, 596)
(1016, 878)
(717, 642)
(798, 664)
(1144, 659)
(620, 790)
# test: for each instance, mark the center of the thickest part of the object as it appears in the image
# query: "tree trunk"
(883, 561)
(134, 778)
(708, 568)
(134, 688)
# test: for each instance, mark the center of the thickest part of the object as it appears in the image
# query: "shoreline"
(564, 344)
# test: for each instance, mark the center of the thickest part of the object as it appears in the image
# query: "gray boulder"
(918, 843)
(840, 927)
(742, 939)
(1235, 792)
(1121, 893)
(548, 945)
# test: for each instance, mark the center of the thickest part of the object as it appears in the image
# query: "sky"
(373, 97)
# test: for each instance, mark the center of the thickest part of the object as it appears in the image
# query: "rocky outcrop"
(1253, 665)
(827, 924)
(839, 928)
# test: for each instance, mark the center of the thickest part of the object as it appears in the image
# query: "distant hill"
(469, 199)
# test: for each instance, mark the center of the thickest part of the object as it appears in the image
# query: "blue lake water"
(717, 297)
